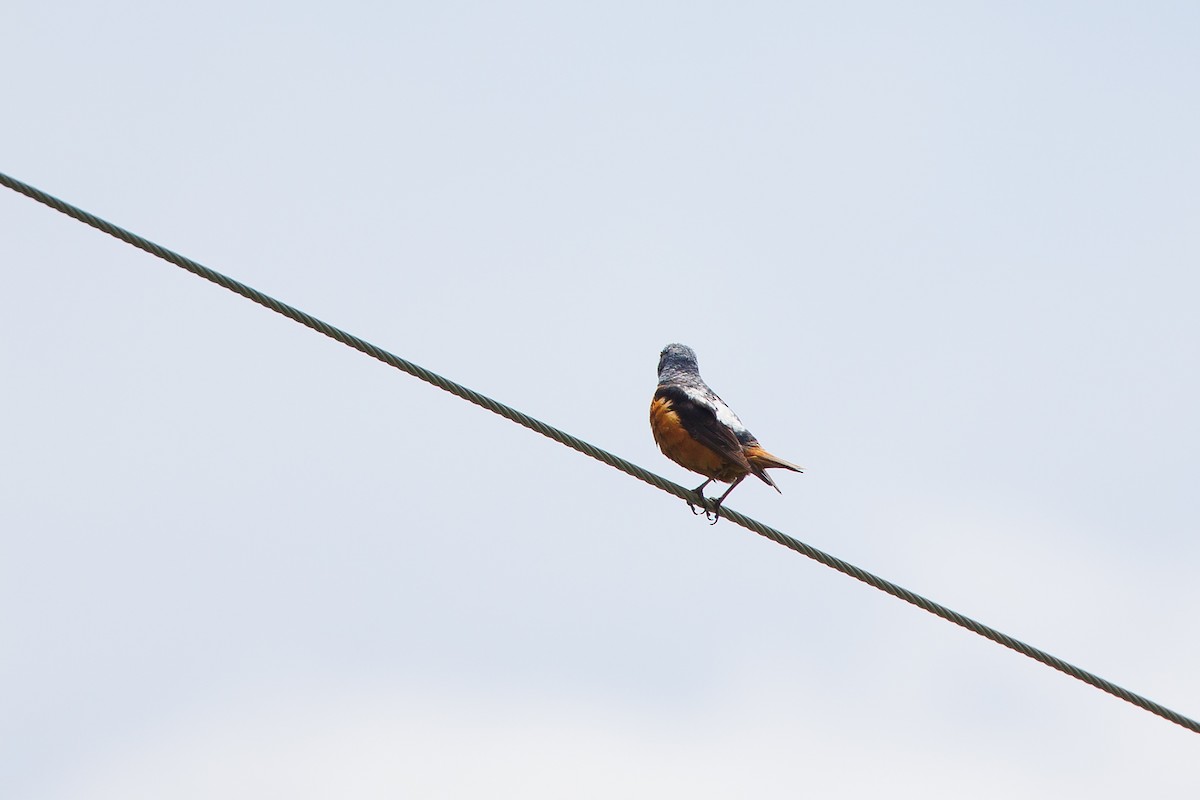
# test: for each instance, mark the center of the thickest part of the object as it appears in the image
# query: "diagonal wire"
(617, 462)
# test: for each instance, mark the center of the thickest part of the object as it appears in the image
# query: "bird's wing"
(701, 419)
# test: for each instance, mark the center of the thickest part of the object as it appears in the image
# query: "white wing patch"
(724, 413)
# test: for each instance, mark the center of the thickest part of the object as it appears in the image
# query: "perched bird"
(695, 429)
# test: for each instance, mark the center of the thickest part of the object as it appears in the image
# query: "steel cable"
(595, 452)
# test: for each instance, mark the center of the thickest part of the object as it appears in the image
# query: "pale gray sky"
(942, 254)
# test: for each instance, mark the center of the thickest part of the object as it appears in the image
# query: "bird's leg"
(699, 493)
(721, 499)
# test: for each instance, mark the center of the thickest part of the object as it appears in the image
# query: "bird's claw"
(702, 501)
(713, 515)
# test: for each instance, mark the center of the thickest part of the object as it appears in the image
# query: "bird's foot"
(703, 503)
(714, 514)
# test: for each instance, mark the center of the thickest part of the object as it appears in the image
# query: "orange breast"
(677, 445)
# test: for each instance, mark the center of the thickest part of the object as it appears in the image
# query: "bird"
(696, 429)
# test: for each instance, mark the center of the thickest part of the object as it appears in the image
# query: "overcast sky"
(945, 255)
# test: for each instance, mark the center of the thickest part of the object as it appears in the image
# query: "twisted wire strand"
(604, 456)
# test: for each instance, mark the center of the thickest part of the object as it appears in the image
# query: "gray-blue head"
(677, 361)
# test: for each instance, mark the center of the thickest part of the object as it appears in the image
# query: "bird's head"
(677, 360)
